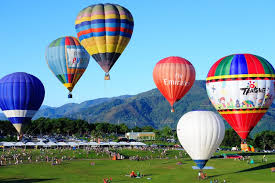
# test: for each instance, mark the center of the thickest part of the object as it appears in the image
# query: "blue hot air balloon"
(21, 95)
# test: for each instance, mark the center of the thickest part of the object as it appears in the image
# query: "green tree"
(137, 129)
(147, 129)
(157, 134)
(231, 138)
(166, 132)
(123, 128)
(265, 140)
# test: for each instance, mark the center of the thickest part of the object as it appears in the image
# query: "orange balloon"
(174, 76)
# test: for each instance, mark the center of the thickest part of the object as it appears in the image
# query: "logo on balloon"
(252, 85)
(252, 88)
(176, 82)
(79, 60)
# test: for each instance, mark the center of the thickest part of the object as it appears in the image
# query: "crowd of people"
(15, 156)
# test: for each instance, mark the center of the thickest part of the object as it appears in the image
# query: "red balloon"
(174, 76)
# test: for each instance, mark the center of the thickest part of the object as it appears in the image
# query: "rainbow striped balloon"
(104, 30)
(68, 60)
(241, 66)
(241, 88)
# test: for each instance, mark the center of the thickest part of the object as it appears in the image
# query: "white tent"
(62, 144)
(124, 143)
(82, 143)
(8, 144)
(104, 143)
(40, 144)
(113, 143)
(19, 144)
(30, 144)
(137, 144)
(92, 144)
(72, 144)
(50, 144)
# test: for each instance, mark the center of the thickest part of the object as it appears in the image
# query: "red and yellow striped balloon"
(104, 30)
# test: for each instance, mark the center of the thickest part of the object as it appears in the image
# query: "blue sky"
(201, 31)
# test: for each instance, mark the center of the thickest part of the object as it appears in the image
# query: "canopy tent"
(40, 144)
(30, 144)
(104, 143)
(50, 144)
(62, 144)
(82, 144)
(92, 144)
(8, 144)
(124, 143)
(19, 144)
(137, 144)
(113, 143)
(72, 144)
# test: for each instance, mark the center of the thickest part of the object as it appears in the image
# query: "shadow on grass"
(23, 180)
(269, 165)
(255, 154)
(213, 176)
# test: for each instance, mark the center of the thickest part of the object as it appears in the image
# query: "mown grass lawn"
(160, 171)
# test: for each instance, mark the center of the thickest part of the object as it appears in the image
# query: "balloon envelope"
(241, 88)
(174, 76)
(104, 30)
(21, 95)
(68, 60)
(200, 133)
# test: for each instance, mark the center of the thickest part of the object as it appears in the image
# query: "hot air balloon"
(200, 133)
(21, 95)
(174, 76)
(241, 88)
(104, 30)
(68, 60)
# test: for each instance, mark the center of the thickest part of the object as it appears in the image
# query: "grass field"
(160, 171)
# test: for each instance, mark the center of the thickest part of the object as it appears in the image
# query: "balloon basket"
(172, 110)
(107, 76)
(19, 137)
(70, 95)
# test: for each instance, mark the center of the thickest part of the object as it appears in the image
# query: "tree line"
(81, 128)
(263, 140)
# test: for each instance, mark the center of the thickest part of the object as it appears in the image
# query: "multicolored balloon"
(241, 88)
(200, 133)
(21, 95)
(104, 30)
(68, 60)
(174, 76)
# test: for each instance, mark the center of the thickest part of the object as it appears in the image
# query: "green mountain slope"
(151, 108)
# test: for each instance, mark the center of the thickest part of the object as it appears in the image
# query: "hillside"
(148, 108)
(151, 108)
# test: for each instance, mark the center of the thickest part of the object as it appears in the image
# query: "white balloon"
(200, 133)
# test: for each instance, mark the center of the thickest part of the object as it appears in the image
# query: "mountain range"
(147, 108)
